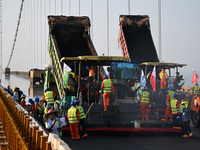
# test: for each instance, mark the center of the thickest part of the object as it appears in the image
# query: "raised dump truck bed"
(135, 39)
(68, 37)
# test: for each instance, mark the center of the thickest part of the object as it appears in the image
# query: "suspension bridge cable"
(45, 12)
(62, 7)
(55, 7)
(15, 38)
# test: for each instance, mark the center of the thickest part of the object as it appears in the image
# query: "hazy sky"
(180, 29)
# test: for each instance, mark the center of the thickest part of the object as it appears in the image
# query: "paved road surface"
(135, 141)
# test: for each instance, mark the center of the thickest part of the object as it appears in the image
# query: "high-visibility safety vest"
(59, 125)
(196, 90)
(72, 115)
(175, 109)
(49, 97)
(107, 85)
(171, 93)
(81, 112)
(145, 97)
(91, 73)
(40, 109)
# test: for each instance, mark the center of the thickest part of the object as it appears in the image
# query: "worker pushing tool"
(82, 118)
(168, 111)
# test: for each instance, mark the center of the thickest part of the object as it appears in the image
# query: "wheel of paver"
(195, 118)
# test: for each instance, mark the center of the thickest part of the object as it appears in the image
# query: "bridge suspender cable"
(19, 18)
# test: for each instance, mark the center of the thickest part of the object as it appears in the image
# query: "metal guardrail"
(22, 131)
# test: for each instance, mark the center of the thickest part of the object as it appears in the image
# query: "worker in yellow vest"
(196, 90)
(107, 88)
(175, 111)
(144, 104)
(74, 119)
(168, 111)
(49, 97)
(82, 118)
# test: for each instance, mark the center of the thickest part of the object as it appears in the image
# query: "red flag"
(194, 77)
(153, 79)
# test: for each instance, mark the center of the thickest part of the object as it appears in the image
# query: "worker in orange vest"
(168, 111)
(108, 88)
(91, 71)
(74, 119)
(144, 104)
(163, 83)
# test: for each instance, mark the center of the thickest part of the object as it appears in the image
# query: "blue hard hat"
(37, 100)
(30, 100)
(170, 90)
(87, 67)
(150, 71)
(73, 103)
(175, 95)
(105, 76)
(47, 89)
(76, 102)
(23, 95)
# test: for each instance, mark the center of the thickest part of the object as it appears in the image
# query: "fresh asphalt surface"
(137, 141)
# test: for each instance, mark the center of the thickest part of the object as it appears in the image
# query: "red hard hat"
(183, 100)
(50, 111)
(8, 86)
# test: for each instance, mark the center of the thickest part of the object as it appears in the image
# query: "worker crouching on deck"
(23, 102)
(144, 104)
(108, 88)
(168, 111)
(74, 119)
(31, 107)
(39, 111)
(82, 118)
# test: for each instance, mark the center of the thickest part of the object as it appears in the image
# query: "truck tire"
(195, 118)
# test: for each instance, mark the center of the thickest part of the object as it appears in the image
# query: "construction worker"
(23, 102)
(91, 71)
(82, 118)
(74, 119)
(39, 111)
(107, 88)
(53, 123)
(163, 75)
(196, 89)
(30, 107)
(175, 111)
(15, 93)
(185, 111)
(10, 91)
(49, 97)
(168, 111)
(144, 104)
